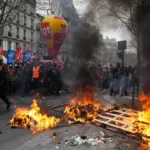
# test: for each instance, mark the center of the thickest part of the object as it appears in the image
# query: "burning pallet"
(85, 109)
(123, 121)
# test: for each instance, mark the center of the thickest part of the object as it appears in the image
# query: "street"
(23, 139)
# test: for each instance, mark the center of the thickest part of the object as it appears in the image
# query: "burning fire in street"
(144, 116)
(83, 108)
(32, 118)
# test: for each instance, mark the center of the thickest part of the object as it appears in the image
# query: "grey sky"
(108, 27)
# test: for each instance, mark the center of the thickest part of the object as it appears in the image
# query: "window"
(9, 45)
(18, 18)
(17, 44)
(9, 30)
(17, 32)
(5, 45)
(25, 20)
(31, 36)
(24, 34)
(32, 23)
(13, 46)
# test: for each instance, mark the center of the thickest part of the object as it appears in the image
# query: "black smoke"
(143, 27)
(87, 40)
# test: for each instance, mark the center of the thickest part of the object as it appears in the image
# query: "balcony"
(9, 34)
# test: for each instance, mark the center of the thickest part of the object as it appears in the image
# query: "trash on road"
(54, 135)
(56, 147)
(79, 140)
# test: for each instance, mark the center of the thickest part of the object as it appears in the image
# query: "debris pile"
(83, 108)
(79, 140)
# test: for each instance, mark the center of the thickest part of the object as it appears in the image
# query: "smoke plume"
(87, 40)
(143, 24)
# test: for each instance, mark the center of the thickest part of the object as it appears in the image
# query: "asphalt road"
(22, 139)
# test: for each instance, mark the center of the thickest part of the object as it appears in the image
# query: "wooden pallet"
(121, 120)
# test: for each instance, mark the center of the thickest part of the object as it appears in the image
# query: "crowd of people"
(117, 79)
(46, 79)
(21, 78)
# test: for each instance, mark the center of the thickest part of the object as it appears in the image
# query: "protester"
(54, 76)
(35, 76)
(3, 83)
(11, 78)
(99, 78)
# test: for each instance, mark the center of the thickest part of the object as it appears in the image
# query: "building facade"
(22, 31)
(109, 52)
(40, 43)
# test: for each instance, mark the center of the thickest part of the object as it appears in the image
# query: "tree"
(49, 7)
(130, 13)
(9, 10)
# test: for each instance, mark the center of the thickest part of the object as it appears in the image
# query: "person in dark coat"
(56, 79)
(3, 83)
(27, 71)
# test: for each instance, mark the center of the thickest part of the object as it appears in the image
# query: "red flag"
(18, 53)
(1, 49)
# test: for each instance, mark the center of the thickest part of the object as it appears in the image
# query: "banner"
(10, 56)
(4, 59)
(27, 56)
(18, 53)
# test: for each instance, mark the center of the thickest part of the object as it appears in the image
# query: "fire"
(83, 108)
(144, 115)
(141, 119)
(32, 118)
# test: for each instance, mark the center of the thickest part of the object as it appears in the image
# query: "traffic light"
(122, 45)
(120, 55)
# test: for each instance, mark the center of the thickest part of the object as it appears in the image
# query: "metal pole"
(133, 92)
(122, 58)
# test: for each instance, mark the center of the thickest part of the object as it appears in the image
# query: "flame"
(83, 108)
(32, 118)
(144, 115)
(141, 119)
